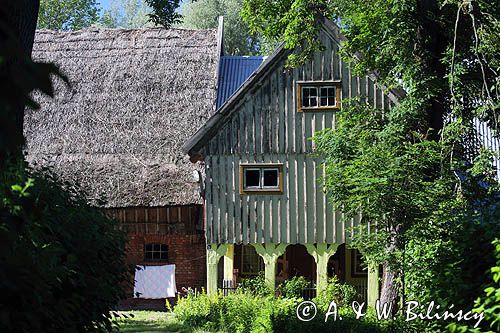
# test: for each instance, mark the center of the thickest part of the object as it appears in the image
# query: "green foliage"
(67, 14)
(203, 14)
(128, 14)
(488, 303)
(164, 12)
(293, 287)
(61, 262)
(340, 292)
(255, 285)
(244, 312)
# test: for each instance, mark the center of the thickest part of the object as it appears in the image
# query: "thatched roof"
(136, 96)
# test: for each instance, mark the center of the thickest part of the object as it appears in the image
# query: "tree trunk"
(18, 21)
(389, 291)
(430, 45)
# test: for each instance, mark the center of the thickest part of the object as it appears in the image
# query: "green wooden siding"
(266, 127)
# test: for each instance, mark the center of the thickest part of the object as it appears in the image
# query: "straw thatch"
(135, 97)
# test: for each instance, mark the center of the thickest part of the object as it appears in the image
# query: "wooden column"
(321, 252)
(270, 253)
(373, 290)
(214, 252)
(229, 262)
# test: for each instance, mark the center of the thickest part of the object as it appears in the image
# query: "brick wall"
(187, 252)
(180, 228)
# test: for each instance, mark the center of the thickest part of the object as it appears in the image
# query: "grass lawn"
(151, 321)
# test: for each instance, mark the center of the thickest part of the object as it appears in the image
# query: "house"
(135, 97)
(265, 206)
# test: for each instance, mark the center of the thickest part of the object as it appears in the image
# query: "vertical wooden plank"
(238, 223)
(230, 199)
(275, 216)
(224, 214)
(252, 218)
(242, 130)
(370, 92)
(317, 68)
(209, 199)
(334, 65)
(297, 131)
(257, 133)
(292, 211)
(301, 200)
(218, 198)
(265, 126)
(326, 64)
(282, 115)
(320, 218)
(310, 184)
(245, 205)
(308, 131)
(250, 119)
(284, 219)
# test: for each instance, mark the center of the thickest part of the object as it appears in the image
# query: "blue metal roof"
(233, 71)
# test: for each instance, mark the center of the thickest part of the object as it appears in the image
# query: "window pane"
(163, 248)
(252, 178)
(331, 92)
(305, 92)
(313, 91)
(156, 256)
(164, 255)
(305, 102)
(271, 178)
(324, 92)
(149, 247)
(327, 96)
(309, 96)
(157, 247)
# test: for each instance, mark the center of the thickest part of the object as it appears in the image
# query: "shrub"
(202, 310)
(246, 312)
(293, 287)
(255, 285)
(61, 262)
(341, 293)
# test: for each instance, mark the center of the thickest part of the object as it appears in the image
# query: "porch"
(316, 262)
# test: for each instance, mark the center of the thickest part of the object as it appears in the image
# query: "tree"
(413, 170)
(67, 14)
(164, 12)
(62, 262)
(17, 33)
(128, 14)
(203, 14)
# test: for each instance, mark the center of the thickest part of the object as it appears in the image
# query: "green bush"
(293, 287)
(61, 262)
(238, 312)
(246, 312)
(341, 293)
(255, 285)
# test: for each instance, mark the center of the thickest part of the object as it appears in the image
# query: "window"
(251, 262)
(155, 252)
(261, 178)
(313, 96)
(357, 265)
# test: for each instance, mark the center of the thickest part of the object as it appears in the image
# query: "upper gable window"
(318, 96)
(261, 178)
